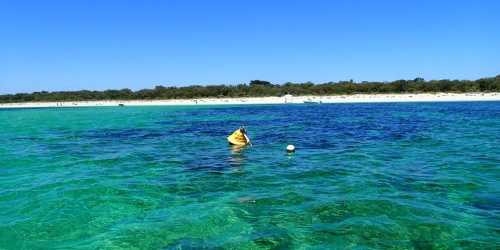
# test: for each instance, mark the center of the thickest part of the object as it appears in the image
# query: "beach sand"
(358, 98)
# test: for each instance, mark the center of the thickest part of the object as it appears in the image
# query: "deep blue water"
(364, 176)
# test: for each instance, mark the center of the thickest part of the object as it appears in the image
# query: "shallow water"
(364, 176)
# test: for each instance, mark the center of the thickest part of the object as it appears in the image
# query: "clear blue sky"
(107, 44)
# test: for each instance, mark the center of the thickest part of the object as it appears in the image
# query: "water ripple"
(383, 176)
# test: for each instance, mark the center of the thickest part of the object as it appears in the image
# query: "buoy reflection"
(237, 157)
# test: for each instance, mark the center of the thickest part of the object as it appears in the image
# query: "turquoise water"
(364, 176)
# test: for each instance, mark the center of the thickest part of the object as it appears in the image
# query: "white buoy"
(290, 148)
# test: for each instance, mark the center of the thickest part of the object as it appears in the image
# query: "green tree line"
(260, 88)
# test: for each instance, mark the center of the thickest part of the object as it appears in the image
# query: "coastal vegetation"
(260, 88)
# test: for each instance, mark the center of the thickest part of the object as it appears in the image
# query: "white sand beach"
(357, 98)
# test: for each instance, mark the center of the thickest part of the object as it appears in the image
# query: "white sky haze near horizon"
(98, 45)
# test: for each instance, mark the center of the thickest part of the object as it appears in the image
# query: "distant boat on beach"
(311, 101)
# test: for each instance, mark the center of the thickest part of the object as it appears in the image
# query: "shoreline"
(356, 98)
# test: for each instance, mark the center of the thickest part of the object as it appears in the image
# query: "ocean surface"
(363, 176)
